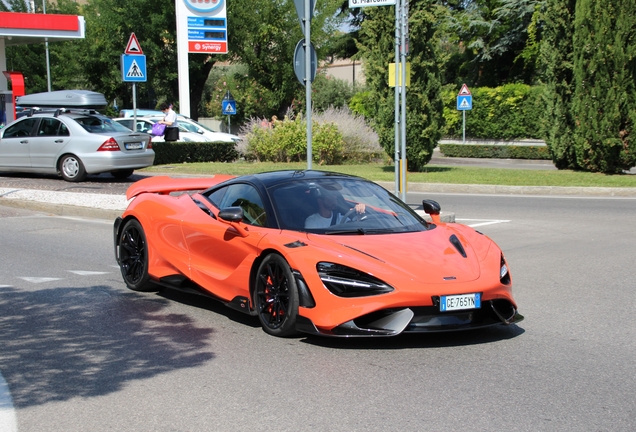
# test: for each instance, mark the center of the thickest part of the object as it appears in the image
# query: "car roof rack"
(79, 99)
(57, 111)
(72, 110)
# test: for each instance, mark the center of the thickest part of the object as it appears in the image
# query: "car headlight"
(504, 274)
(345, 281)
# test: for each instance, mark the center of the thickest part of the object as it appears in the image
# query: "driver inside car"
(328, 213)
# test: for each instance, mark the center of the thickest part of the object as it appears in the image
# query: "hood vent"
(455, 242)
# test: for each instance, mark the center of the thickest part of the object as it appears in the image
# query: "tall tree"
(556, 60)
(604, 102)
(485, 41)
(263, 35)
(108, 28)
(423, 97)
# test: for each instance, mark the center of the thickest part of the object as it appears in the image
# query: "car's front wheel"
(133, 257)
(72, 169)
(276, 297)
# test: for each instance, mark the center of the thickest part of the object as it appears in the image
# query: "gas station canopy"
(17, 28)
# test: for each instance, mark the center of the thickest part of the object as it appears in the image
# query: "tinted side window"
(244, 196)
(63, 130)
(127, 123)
(96, 124)
(20, 129)
(49, 127)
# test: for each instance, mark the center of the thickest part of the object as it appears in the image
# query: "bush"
(338, 136)
(361, 143)
(180, 152)
(286, 141)
(495, 151)
(330, 92)
(507, 112)
(361, 103)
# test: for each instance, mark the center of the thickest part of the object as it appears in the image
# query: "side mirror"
(433, 209)
(233, 216)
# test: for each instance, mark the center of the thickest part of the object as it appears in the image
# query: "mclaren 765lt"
(313, 252)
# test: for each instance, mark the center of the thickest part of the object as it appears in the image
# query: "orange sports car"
(313, 252)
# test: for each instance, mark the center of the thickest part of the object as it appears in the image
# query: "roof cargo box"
(64, 99)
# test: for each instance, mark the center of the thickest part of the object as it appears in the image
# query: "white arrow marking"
(485, 222)
(37, 279)
(87, 273)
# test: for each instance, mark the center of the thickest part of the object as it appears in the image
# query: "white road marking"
(6, 286)
(8, 419)
(482, 222)
(37, 279)
(87, 273)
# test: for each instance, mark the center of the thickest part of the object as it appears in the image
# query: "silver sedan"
(73, 143)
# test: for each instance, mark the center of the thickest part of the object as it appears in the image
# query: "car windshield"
(298, 205)
(193, 124)
(95, 124)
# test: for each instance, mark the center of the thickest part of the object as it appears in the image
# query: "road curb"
(62, 209)
(514, 190)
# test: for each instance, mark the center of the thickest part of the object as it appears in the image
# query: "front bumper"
(422, 319)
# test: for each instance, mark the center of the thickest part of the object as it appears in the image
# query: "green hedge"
(495, 151)
(180, 152)
(508, 112)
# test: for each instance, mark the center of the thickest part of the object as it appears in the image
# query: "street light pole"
(46, 44)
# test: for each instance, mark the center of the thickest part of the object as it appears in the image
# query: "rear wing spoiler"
(165, 185)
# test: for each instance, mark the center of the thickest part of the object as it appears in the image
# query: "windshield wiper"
(360, 231)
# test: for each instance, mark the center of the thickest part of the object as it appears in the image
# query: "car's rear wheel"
(122, 174)
(133, 257)
(72, 169)
(276, 297)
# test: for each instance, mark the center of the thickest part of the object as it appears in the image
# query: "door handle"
(24, 142)
(59, 141)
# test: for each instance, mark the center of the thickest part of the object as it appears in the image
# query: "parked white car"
(196, 127)
(144, 124)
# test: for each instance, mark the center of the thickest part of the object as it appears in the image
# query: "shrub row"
(507, 112)
(495, 151)
(180, 152)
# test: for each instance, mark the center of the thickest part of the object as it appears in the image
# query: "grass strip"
(434, 174)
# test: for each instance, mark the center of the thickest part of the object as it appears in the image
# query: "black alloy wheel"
(133, 257)
(276, 296)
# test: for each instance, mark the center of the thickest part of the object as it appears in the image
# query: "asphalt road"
(81, 352)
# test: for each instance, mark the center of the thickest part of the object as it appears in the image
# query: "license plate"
(460, 302)
(134, 146)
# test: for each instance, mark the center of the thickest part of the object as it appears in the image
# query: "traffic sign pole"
(308, 12)
(464, 127)
(134, 88)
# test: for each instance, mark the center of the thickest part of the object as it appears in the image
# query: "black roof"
(272, 178)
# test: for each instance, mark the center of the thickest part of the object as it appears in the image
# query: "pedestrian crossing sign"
(464, 103)
(228, 107)
(133, 68)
